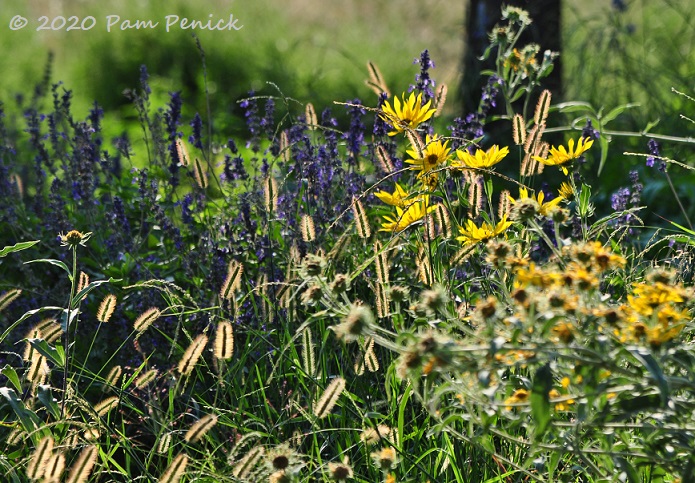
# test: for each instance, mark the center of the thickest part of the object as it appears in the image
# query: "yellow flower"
(435, 153)
(404, 218)
(544, 208)
(566, 191)
(472, 234)
(519, 396)
(397, 198)
(561, 157)
(408, 115)
(481, 159)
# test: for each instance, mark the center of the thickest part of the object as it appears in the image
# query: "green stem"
(66, 336)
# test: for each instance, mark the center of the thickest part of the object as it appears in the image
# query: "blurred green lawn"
(313, 51)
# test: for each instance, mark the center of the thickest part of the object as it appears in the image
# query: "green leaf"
(616, 112)
(17, 247)
(603, 141)
(45, 395)
(11, 375)
(651, 364)
(540, 401)
(575, 106)
(91, 286)
(584, 207)
(54, 354)
(628, 469)
(26, 315)
(52, 261)
(650, 126)
(30, 421)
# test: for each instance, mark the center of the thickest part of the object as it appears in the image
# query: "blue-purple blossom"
(424, 83)
(196, 139)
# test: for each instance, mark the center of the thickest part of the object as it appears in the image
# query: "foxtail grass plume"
(200, 174)
(329, 398)
(192, 355)
(112, 378)
(146, 319)
(504, 204)
(424, 267)
(441, 216)
(55, 466)
(376, 80)
(19, 185)
(175, 470)
(38, 369)
(308, 352)
(106, 308)
(8, 297)
(361, 220)
(310, 117)
(182, 153)
(270, 193)
(164, 443)
(83, 281)
(146, 378)
(384, 159)
(106, 405)
(200, 428)
(382, 263)
(382, 301)
(242, 469)
(542, 108)
(370, 359)
(285, 147)
(224, 340)
(50, 330)
(39, 458)
(233, 281)
(307, 228)
(80, 471)
(440, 99)
(34, 333)
(518, 130)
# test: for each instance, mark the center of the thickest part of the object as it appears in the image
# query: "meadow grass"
(394, 297)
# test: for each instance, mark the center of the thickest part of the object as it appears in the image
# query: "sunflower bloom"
(562, 157)
(544, 208)
(404, 218)
(520, 396)
(397, 198)
(407, 115)
(473, 234)
(481, 159)
(434, 154)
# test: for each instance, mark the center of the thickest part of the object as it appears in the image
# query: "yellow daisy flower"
(566, 191)
(435, 153)
(408, 115)
(472, 234)
(481, 159)
(397, 198)
(561, 157)
(404, 218)
(544, 208)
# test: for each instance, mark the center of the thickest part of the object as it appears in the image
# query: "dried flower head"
(357, 323)
(386, 458)
(339, 471)
(74, 238)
